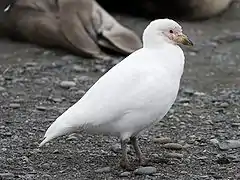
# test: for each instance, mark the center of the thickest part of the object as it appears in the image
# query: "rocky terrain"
(199, 139)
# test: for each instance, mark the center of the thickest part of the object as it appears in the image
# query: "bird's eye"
(171, 31)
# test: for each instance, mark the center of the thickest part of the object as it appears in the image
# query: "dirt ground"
(205, 115)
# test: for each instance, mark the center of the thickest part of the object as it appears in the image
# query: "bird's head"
(164, 31)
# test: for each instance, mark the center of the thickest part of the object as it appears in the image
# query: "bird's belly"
(136, 120)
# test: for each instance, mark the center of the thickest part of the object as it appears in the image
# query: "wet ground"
(206, 114)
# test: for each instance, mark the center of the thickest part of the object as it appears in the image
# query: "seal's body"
(181, 9)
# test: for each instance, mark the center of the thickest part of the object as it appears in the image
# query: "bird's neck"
(150, 40)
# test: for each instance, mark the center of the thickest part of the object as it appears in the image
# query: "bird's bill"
(183, 39)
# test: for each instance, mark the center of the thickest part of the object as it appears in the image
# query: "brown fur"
(80, 26)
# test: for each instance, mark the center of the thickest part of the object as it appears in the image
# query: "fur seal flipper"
(80, 26)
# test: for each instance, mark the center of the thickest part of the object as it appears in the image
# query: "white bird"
(132, 95)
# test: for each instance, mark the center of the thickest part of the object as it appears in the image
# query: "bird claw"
(143, 161)
(125, 165)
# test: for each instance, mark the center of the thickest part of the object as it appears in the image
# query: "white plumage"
(133, 94)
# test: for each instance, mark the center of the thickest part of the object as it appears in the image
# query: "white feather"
(131, 96)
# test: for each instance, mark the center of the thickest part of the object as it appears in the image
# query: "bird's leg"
(142, 159)
(124, 161)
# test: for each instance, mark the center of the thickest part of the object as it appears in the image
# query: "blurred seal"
(180, 9)
(82, 27)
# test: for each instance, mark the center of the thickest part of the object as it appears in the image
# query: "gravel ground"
(199, 139)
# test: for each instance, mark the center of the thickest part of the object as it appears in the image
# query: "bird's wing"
(120, 90)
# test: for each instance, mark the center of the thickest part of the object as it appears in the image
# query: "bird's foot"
(143, 161)
(126, 165)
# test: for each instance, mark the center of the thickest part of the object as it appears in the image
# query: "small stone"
(2, 89)
(46, 176)
(56, 151)
(199, 94)
(4, 149)
(229, 144)
(6, 175)
(162, 140)
(29, 64)
(103, 170)
(214, 141)
(67, 84)
(46, 166)
(174, 146)
(224, 105)
(174, 155)
(18, 100)
(80, 92)
(188, 92)
(184, 100)
(78, 68)
(116, 148)
(148, 170)
(202, 158)
(192, 53)
(14, 105)
(235, 124)
(41, 108)
(223, 160)
(72, 138)
(54, 165)
(8, 134)
(57, 99)
(125, 174)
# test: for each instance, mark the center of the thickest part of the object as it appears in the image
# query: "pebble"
(67, 84)
(188, 92)
(84, 78)
(103, 170)
(148, 170)
(46, 166)
(174, 146)
(46, 176)
(235, 124)
(223, 160)
(116, 148)
(224, 105)
(202, 158)
(14, 105)
(78, 68)
(174, 155)
(56, 151)
(162, 140)
(6, 175)
(57, 99)
(229, 144)
(125, 174)
(80, 92)
(199, 94)
(2, 89)
(72, 138)
(30, 64)
(214, 141)
(184, 100)
(41, 108)
(192, 54)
